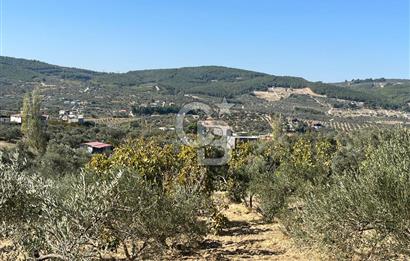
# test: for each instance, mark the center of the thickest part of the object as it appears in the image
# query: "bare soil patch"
(279, 93)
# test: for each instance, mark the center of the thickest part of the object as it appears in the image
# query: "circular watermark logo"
(211, 133)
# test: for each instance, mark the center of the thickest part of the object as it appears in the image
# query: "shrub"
(9, 132)
(61, 159)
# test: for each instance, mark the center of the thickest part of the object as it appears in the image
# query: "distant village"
(220, 128)
(70, 117)
(216, 127)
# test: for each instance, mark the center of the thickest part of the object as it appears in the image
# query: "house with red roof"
(94, 147)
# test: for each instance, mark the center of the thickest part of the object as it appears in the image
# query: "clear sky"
(328, 40)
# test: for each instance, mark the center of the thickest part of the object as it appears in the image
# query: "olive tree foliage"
(60, 159)
(363, 214)
(237, 180)
(84, 217)
(164, 165)
(9, 132)
(348, 194)
(279, 171)
(21, 198)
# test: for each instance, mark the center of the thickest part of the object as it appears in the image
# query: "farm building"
(16, 118)
(97, 147)
(222, 129)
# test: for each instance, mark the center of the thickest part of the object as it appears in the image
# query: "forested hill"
(209, 80)
(384, 93)
(22, 70)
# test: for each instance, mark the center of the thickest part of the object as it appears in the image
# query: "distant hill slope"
(14, 69)
(385, 93)
(209, 80)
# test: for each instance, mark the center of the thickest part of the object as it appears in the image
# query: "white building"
(16, 118)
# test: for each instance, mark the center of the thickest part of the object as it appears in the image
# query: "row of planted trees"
(146, 198)
(346, 194)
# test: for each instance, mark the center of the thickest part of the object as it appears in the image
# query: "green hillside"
(14, 70)
(209, 80)
(215, 81)
(393, 94)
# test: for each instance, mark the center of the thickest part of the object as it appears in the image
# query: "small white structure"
(16, 118)
(63, 112)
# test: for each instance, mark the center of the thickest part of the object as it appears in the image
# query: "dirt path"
(247, 237)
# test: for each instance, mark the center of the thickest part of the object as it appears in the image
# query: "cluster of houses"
(157, 103)
(67, 116)
(71, 117)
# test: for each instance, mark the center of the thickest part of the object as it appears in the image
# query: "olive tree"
(364, 213)
(85, 217)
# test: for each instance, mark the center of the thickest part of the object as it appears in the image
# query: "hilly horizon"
(42, 67)
(215, 81)
(25, 62)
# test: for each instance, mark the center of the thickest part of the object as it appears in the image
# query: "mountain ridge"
(217, 81)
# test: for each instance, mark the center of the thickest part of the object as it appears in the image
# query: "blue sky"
(328, 40)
